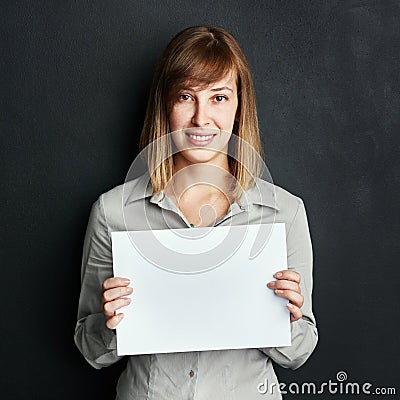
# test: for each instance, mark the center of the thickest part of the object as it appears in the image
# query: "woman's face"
(201, 122)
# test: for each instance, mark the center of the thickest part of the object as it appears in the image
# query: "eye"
(220, 98)
(184, 97)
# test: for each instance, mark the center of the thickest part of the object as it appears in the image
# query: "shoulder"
(113, 200)
(131, 190)
(288, 208)
(284, 201)
(288, 200)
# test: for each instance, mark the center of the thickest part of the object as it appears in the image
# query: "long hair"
(200, 56)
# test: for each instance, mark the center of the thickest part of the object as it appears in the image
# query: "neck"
(205, 178)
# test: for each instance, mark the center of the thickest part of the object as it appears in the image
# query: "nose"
(200, 115)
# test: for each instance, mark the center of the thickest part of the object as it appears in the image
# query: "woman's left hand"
(287, 286)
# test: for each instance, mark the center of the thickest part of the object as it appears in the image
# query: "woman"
(203, 153)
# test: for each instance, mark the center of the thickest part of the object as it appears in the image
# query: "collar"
(262, 193)
(139, 188)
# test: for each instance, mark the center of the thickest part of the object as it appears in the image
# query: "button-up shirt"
(237, 374)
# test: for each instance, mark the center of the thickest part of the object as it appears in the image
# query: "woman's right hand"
(112, 300)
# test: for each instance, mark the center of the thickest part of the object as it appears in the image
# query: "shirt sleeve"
(96, 342)
(303, 331)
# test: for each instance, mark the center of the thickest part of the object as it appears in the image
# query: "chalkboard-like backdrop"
(74, 83)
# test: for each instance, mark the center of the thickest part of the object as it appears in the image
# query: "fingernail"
(129, 289)
(272, 284)
(126, 281)
(289, 305)
(278, 291)
(278, 275)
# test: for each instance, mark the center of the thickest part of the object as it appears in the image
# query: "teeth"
(201, 138)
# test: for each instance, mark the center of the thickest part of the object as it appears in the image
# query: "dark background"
(75, 77)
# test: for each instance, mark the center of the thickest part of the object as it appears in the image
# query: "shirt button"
(191, 373)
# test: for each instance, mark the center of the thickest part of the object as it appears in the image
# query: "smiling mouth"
(200, 138)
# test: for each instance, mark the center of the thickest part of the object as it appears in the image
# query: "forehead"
(226, 82)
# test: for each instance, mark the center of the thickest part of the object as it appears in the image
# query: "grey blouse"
(200, 375)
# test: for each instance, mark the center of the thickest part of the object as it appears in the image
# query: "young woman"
(203, 153)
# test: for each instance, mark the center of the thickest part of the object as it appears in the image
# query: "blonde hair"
(200, 56)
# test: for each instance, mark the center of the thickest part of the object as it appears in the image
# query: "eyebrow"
(212, 90)
(222, 88)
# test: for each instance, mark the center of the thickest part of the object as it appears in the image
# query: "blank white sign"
(215, 307)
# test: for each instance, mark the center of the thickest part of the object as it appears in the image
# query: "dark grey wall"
(74, 83)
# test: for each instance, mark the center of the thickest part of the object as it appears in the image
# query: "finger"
(111, 307)
(283, 284)
(288, 275)
(295, 312)
(296, 298)
(115, 282)
(112, 294)
(114, 321)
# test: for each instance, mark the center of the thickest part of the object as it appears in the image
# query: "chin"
(197, 156)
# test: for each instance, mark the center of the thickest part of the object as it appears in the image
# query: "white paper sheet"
(205, 307)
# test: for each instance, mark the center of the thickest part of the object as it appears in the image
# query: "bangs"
(200, 64)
